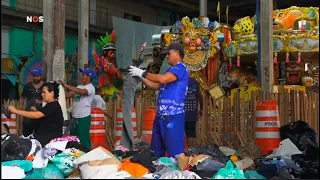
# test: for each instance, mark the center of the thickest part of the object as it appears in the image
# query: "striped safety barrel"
(119, 124)
(11, 123)
(148, 117)
(98, 129)
(267, 126)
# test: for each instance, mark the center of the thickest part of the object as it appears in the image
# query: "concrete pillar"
(203, 8)
(266, 38)
(47, 45)
(53, 39)
(83, 34)
(59, 36)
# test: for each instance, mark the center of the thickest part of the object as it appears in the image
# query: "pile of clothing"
(64, 158)
(32, 161)
(296, 157)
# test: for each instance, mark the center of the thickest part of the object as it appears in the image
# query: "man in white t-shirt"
(81, 108)
(98, 102)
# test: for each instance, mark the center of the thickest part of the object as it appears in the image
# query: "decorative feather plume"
(113, 36)
(108, 38)
(95, 57)
(91, 58)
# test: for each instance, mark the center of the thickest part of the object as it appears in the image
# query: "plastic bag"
(49, 172)
(253, 175)
(303, 136)
(229, 172)
(180, 175)
(23, 164)
(167, 162)
(310, 169)
(14, 148)
(283, 173)
(211, 150)
(210, 165)
(64, 162)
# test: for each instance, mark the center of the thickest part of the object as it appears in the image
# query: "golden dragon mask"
(198, 39)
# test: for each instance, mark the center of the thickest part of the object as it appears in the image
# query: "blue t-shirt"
(191, 103)
(172, 95)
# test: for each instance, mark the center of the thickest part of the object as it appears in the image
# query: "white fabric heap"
(98, 171)
(286, 149)
(8, 172)
(40, 161)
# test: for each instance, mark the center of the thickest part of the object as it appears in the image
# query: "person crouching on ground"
(81, 107)
(168, 126)
(49, 119)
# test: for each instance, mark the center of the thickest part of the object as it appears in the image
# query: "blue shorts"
(168, 135)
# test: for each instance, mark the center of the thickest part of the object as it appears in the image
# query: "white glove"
(134, 71)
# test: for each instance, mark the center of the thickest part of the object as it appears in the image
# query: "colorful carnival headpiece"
(108, 42)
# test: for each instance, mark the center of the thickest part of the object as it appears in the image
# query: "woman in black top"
(49, 119)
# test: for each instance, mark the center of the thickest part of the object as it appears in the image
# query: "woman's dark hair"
(53, 86)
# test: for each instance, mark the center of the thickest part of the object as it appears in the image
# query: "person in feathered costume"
(110, 79)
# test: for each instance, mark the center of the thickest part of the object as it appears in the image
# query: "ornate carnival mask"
(199, 43)
(294, 73)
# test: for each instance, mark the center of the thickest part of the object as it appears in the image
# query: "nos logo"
(35, 19)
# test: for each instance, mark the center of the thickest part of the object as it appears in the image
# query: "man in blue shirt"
(168, 126)
(192, 111)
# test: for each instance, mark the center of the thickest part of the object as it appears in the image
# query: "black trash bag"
(303, 136)
(14, 148)
(211, 150)
(283, 173)
(310, 169)
(123, 155)
(145, 158)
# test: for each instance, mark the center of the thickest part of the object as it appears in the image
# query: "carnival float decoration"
(109, 77)
(295, 48)
(200, 39)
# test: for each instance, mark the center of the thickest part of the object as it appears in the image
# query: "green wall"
(163, 15)
(20, 40)
(13, 3)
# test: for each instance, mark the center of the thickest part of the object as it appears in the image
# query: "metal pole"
(203, 8)
(266, 39)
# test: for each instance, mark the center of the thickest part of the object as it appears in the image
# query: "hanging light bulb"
(238, 61)
(275, 60)
(299, 58)
(306, 67)
(287, 57)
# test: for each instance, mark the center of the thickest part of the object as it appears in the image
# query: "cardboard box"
(4, 130)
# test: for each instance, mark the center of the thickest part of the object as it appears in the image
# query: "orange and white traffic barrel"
(119, 124)
(98, 129)
(11, 123)
(148, 118)
(267, 126)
